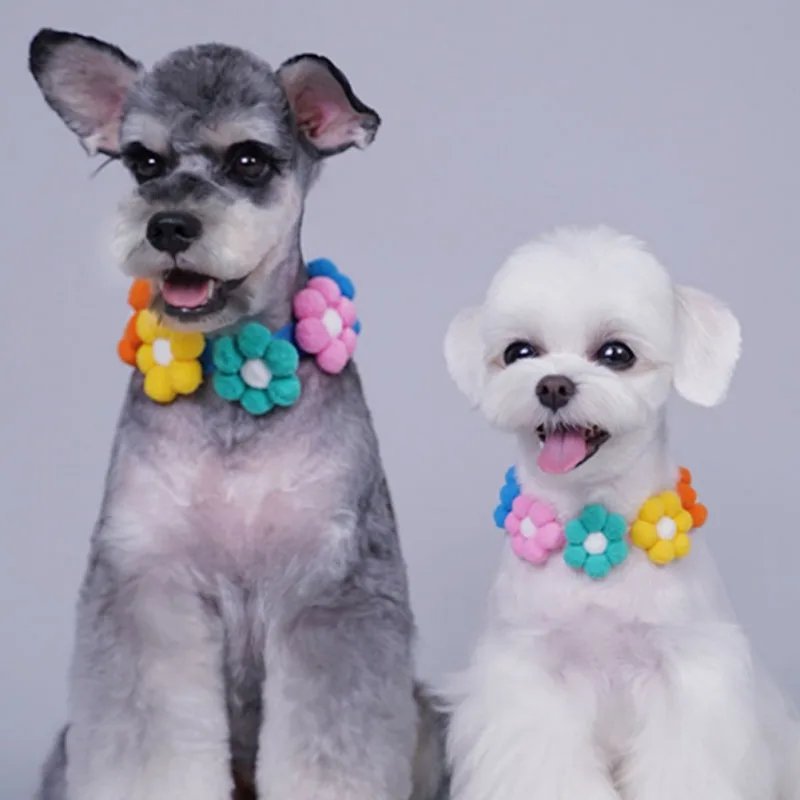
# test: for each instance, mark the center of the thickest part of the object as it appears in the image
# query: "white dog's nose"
(555, 391)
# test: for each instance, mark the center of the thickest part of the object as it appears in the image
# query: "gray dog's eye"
(248, 163)
(144, 164)
(615, 355)
(517, 350)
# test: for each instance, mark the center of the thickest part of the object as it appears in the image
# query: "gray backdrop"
(676, 121)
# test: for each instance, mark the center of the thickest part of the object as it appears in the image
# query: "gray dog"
(244, 623)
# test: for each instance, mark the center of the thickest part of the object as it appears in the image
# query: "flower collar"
(252, 366)
(597, 540)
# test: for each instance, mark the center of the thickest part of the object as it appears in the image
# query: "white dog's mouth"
(189, 295)
(565, 447)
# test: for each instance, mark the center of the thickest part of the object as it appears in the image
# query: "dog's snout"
(555, 391)
(173, 231)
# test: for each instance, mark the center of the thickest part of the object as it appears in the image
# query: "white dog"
(607, 668)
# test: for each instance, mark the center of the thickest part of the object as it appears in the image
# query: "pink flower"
(325, 324)
(534, 530)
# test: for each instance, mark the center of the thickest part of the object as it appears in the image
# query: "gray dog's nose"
(555, 391)
(173, 231)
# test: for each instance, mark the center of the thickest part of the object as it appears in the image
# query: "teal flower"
(256, 369)
(596, 541)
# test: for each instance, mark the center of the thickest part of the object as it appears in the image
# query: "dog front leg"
(519, 733)
(341, 719)
(699, 736)
(148, 719)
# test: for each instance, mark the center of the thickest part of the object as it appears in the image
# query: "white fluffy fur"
(638, 686)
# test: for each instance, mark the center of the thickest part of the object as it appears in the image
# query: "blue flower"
(510, 491)
(596, 541)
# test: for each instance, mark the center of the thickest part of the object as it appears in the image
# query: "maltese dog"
(608, 666)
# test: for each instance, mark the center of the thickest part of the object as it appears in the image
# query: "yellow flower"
(662, 528)
(169, 360)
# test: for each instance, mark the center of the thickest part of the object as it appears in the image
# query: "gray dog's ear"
(328, 113)
(85, 81)
(709, 342)
(465, 351)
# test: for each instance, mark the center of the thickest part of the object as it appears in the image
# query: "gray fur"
(245, 609)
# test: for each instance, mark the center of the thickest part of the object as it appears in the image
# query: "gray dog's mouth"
(188, 294)
(565, 447)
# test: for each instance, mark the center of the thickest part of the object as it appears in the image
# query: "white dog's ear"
(709, 342)
(464, 352)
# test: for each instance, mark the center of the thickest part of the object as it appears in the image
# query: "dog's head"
(580, 338)
(222, 150)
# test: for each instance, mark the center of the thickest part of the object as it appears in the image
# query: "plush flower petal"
(349, 339)
(158, 386)
(594, 517)
(687, 494)
(228, 387)
(597, 566)
(575, 556)
(126, 350)
(683, 544)
(333, 359)
(186, 376)
(699, 514)
(282, 358)
(130, 331)
(530, 550)
(652, 510)
(145, 359)
(328, 288)
(347, 311)
(672, 503)
(683, 521)
(507, 495)
(139, 294)
(615, 527)
(551, 535)
(662, 552)
(541, 514)
(575, 532)
(511, 523)
(256, 402)
(644, 534)
(186, 346)
(309, 303)
(252, 340)
(617, 552)
(284, 391)
(147, 327)
(522, 505)
(312, 335)
(226, 357)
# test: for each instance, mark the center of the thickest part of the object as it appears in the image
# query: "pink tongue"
(188, 296)
(562, 452)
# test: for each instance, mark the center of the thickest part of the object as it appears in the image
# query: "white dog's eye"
(517, 350)
(615, 355)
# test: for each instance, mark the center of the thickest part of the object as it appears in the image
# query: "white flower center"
(333, 323)
(666, 528)
(527, 528)
(595, 543)
(255, 374)
(162, 352)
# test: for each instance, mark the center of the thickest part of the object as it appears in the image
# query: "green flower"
(596, 541)
(256, 369)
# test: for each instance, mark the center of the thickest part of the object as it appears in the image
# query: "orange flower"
(139, 298)
(688, 498)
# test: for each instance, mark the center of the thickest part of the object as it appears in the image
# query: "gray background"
(676, 121)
